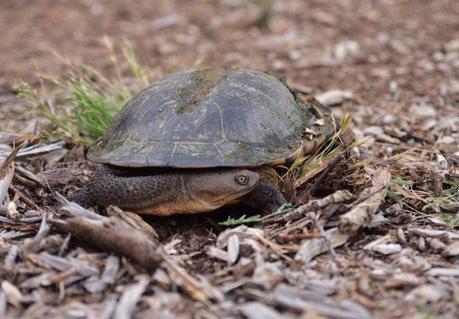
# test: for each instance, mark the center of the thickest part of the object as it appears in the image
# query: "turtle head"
(217, 188)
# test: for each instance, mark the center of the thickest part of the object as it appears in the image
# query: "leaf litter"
(374, 231)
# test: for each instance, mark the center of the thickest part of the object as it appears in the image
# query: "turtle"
(198, 140)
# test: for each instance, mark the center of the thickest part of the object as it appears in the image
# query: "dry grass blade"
(273, 246)
(84, 102)
(309, 167)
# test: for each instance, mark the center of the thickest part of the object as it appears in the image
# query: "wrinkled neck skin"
(166, 192)
(217, 188)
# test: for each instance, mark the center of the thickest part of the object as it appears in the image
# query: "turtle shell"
(212, 118)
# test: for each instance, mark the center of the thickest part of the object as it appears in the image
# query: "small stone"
(379, 273)
(373, 130)
(447, 272)
(452, 45)
(438, 56)
(345, 49)
(430, 293)
(387, 139)
(422, 110)
(233, 249)
(13, 294)
(441, 160)
(429, 124)
(256, 310)
(405, 263)
(94, 285)
(278, 65)
(394, 131)
(165, 21)
(452, 249)
(294, 55)
(387, 249)
(422, 244)
(334, 97)
(447, 140)
(390, 119)
(436, 244)
(401, 236)
(402, 280)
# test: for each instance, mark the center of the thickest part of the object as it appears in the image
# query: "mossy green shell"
(211, 118)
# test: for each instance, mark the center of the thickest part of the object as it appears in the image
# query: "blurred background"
(384, 54)
(308, 40)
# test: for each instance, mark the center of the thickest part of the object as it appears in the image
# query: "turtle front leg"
(265, 198)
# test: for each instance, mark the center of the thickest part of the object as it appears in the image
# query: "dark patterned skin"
(172, 191)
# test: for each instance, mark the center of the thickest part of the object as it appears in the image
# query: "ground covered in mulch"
(393, 64)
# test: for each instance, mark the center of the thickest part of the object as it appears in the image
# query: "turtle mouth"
(232, 198)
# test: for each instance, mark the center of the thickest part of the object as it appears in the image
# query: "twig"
(287, 238)
(275, 248)
(109, 234)
(324, 236)
(339, 196)
(26, 199)
(31, 176)
(37, 150)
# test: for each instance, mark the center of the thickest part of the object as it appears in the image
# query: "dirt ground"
(398, 63)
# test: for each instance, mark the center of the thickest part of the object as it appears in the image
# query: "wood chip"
(387, 249)
(361, 214)
(447, 272)
(233, 249)
(313, 247)
(338, 197)
(429, 293)
(452, 249)
(13, 295)
(6, 176)
(110, 272)
(130, 298)
(109, 234)
(256, 310)
(190, 284)
(132, 219)
(334, 97)
(36, 149)
(304, 300)
(436, 233)
(3, 303)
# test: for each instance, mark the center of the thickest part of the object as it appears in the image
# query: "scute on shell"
(211, 118)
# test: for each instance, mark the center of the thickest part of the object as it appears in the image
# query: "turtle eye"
(242, 179)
